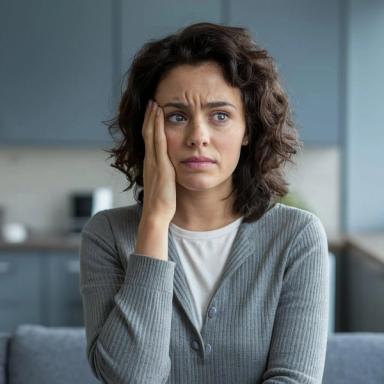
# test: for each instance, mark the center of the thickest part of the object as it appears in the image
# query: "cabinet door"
(304, 38)
(154, 19)
(64, 305)
(20, 290)
(56, 71)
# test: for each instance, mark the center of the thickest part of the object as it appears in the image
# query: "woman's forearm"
(127, 311)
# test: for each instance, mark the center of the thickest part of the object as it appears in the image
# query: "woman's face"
(203, 116)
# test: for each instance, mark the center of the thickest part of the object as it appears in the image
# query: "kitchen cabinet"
(62, 62)
(20, 290)
(56, 72)
(154, 19)
(64, 301)
(304, 37)
(39, 288)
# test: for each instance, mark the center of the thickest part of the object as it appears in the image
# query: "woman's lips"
(198, 164)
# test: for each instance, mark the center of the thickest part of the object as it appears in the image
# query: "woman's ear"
(245, 140)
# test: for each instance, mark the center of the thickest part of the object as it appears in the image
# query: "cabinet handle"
(73, 266)
(5, 266)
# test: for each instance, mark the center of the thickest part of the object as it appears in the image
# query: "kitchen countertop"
(71, 242)
(44, 242)
(371, 244)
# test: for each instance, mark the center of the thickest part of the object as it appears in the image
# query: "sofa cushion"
(4, 341)
(42, 355)
(355, 358)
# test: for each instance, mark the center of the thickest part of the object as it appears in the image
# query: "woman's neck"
(200, 213)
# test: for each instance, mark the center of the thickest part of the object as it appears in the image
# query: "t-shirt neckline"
(219, 232)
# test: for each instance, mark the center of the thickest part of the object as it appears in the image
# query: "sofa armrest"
(354, 358)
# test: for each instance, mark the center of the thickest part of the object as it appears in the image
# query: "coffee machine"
(84, 204)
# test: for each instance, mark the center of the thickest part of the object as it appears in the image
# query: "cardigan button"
(212, 312)
(195, 345)
(208, 348)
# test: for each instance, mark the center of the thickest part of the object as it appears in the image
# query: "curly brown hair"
(258, 180)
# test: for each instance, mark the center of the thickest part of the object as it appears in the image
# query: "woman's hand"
(159, 174)
(159, 178)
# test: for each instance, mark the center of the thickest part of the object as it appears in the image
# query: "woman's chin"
(195, 188)
(200, 183)
(197, 184)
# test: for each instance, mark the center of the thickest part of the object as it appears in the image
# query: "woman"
(207, 279)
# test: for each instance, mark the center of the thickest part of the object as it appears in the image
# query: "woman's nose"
(197, 133)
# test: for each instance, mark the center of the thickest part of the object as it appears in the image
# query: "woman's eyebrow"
(212, 104)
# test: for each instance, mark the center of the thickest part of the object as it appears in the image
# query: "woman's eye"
(178, 118)
(222, 116)
(175, 118)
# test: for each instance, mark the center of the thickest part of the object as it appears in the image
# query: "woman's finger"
(146, 115)
(160, 138)
(148, 132)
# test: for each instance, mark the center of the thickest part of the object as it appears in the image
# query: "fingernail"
(149, 103)
(158, 111)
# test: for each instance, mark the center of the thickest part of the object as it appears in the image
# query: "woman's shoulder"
(125, 218)
(290, 212)
(284, 228)
(292, 219)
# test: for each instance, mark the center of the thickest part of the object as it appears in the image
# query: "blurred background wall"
(37, 184)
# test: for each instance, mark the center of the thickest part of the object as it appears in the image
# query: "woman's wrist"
(152, 238)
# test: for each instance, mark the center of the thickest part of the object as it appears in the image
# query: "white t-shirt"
(203, 255)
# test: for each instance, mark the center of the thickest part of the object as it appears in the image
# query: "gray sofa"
(36, 354)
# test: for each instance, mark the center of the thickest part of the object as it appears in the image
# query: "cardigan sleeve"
(300, 330)
(127, 313)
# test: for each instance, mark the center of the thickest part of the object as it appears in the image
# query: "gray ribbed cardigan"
(267, 321)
